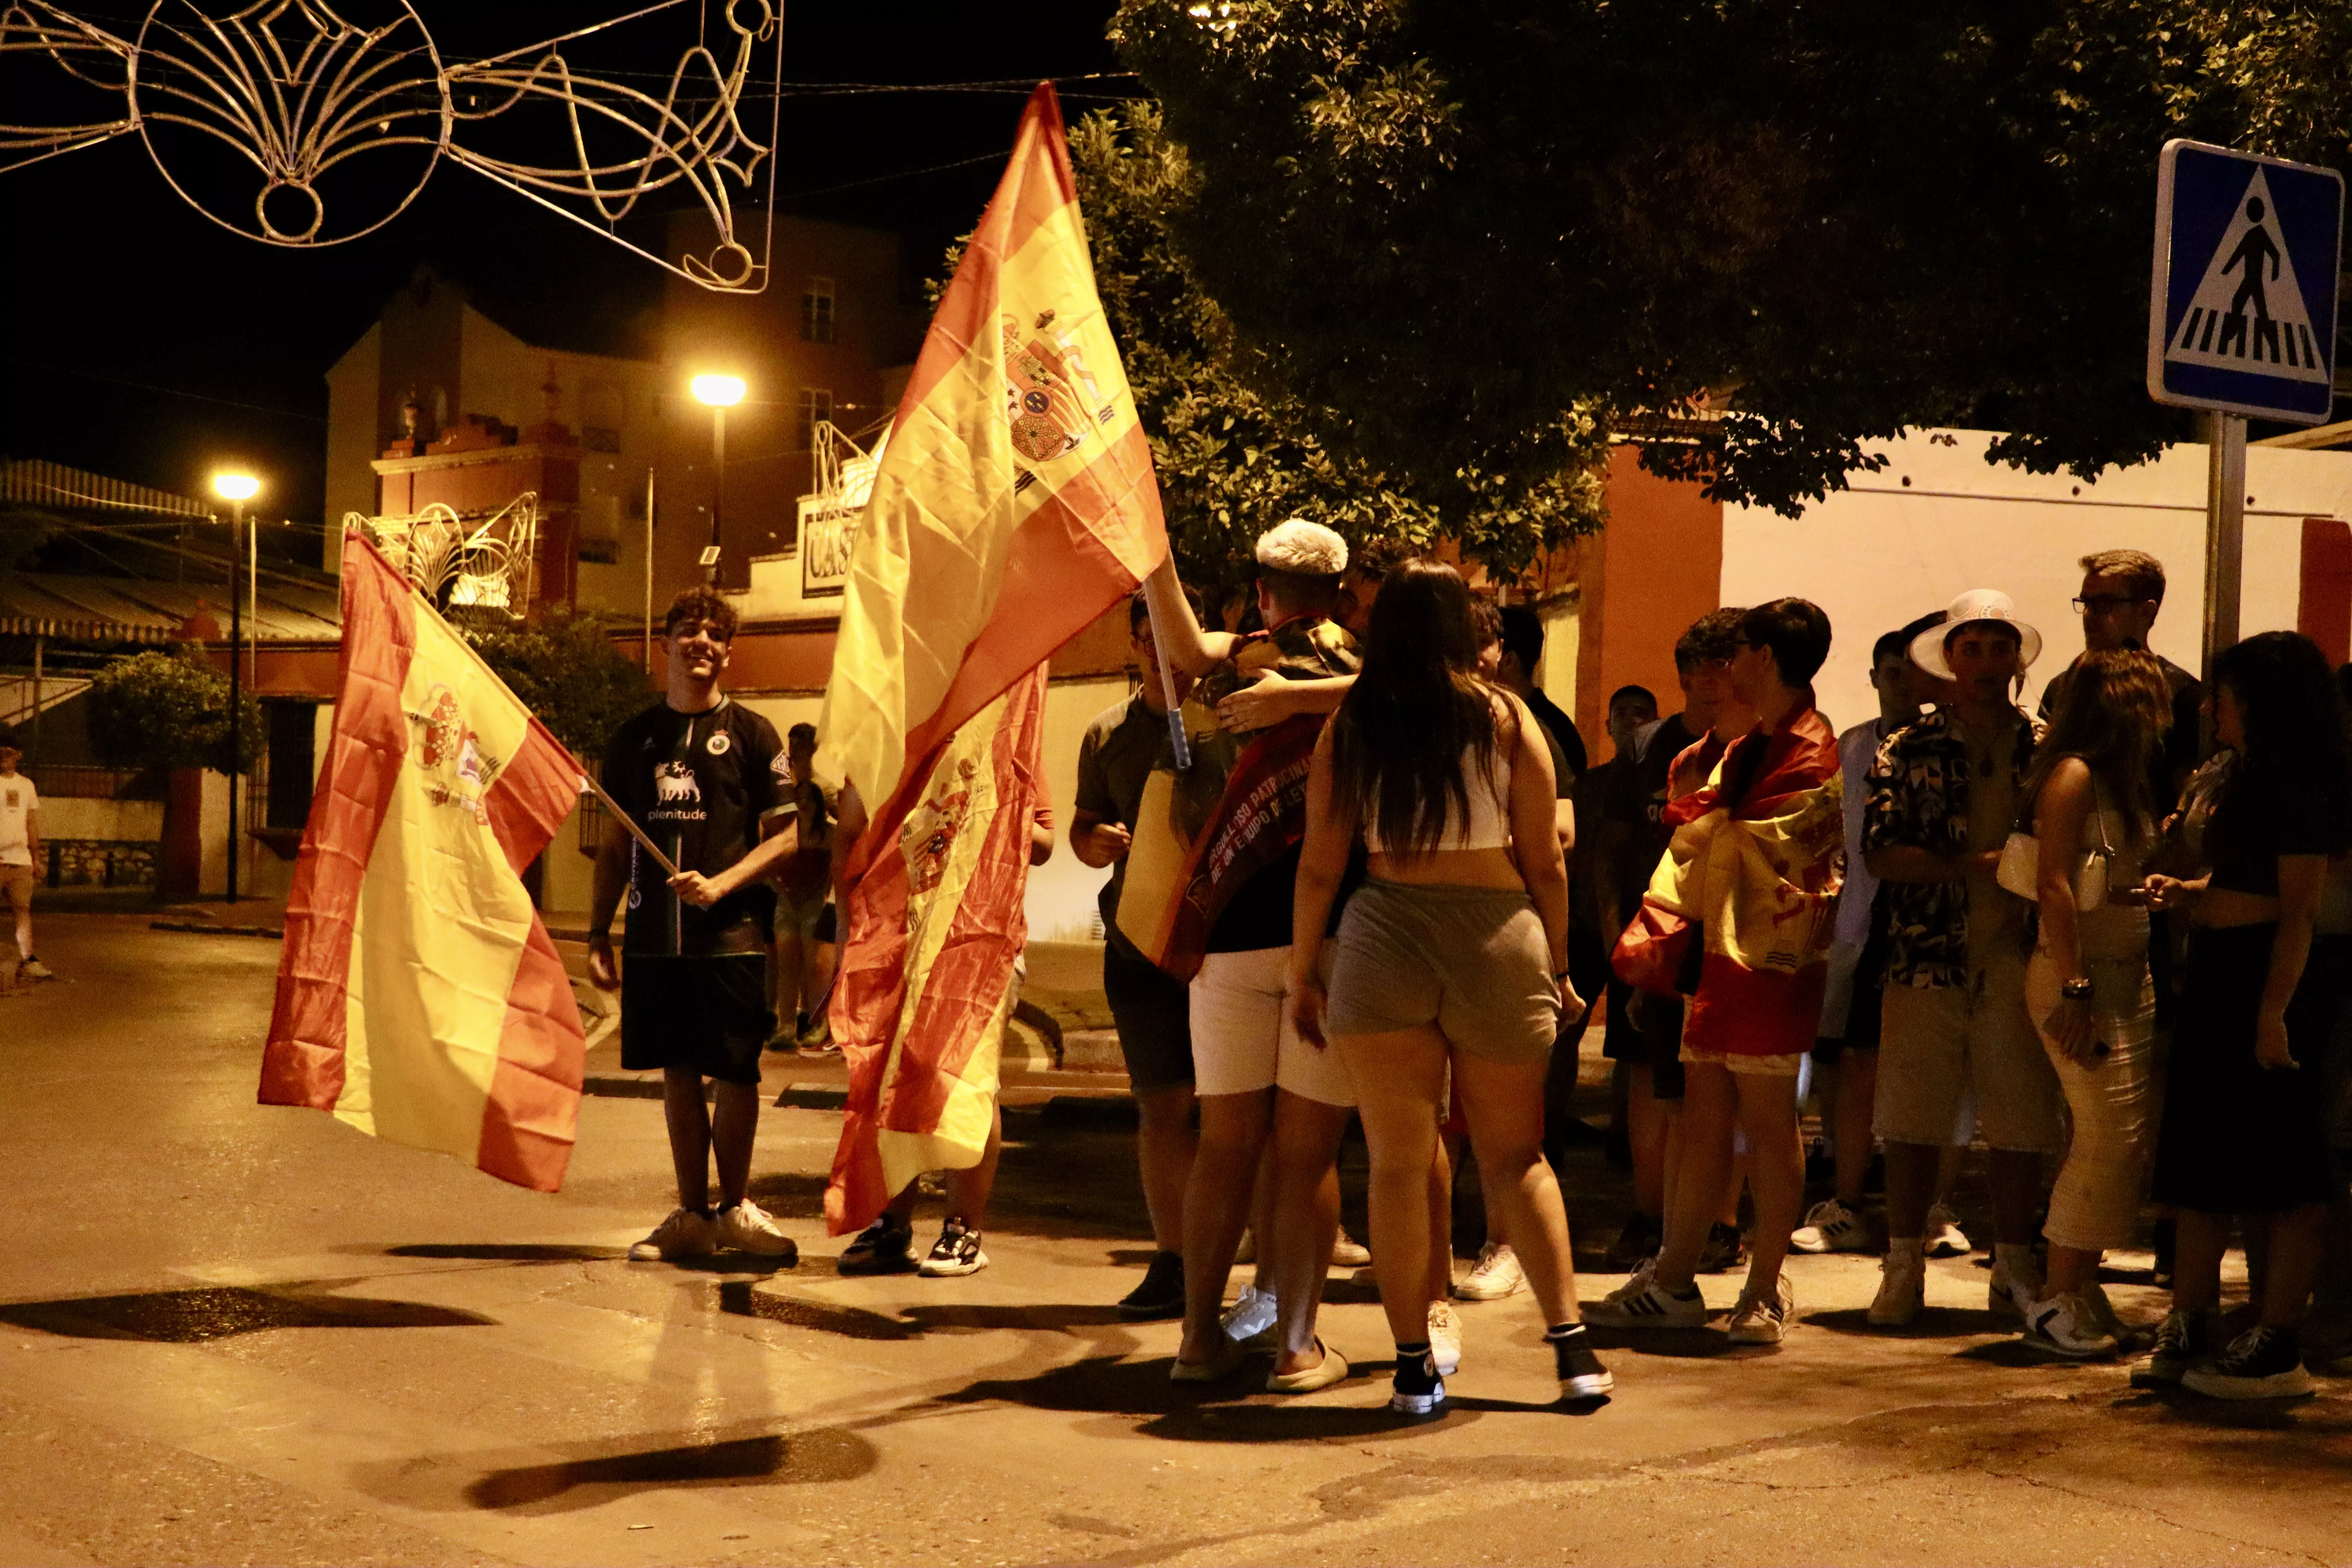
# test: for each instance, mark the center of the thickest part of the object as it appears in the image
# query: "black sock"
(1416, 1371)
(1566, 1340)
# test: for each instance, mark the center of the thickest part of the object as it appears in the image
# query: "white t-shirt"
(17, 802)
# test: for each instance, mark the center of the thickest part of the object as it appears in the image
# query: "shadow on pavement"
(1681, 1344)
(1933, 1323)
(498, 1252)
(590, 1474)
(224, 1311)
(738, 1297)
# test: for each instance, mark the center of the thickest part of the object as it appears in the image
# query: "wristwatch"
(2075, 990)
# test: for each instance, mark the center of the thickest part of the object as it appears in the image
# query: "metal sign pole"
(2225, 532)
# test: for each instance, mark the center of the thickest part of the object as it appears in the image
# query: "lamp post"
(237, 488)
(720, 393)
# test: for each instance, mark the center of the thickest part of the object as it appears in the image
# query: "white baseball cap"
(1976, 604)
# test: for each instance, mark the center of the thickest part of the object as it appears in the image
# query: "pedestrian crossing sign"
(2241, 310)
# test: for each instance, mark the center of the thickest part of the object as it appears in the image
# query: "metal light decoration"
(287, 91)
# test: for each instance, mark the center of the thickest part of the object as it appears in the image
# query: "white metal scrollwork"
(281, 93)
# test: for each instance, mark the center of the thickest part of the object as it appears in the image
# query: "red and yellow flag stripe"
(419, 996)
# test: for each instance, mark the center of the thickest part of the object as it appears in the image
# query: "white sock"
(2017, 1256)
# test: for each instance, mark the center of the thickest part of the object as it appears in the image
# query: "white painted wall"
(1887, 551)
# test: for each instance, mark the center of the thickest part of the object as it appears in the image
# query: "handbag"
(2021, 865)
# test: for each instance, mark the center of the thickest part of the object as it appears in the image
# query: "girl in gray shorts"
(1451, 958)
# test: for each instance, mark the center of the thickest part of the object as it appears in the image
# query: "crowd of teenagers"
(2109, 941)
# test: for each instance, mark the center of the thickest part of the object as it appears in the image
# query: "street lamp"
(720, 393)
(237, 488)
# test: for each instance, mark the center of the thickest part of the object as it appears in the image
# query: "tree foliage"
(157, 710)
(1431, 225)
(1233, 459)
(565, 669)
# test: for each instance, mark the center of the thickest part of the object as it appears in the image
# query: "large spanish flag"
(1741, 908)
(1014, 504)
(419, 998)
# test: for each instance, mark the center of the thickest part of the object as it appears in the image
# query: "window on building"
(293, 733)
(816, 311)
(816, 403)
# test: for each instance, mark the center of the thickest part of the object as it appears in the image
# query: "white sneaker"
(1496, 1275)
(1945, 1236)
(1758, 1322)
(747, 1227)
(1642, 1303)
(1249, 1321)
(2014, 1287)
(1444, 1338)
(1348, 1253)
(685, 1233)
(1902, 1289)
(1831, 1227)
(2070, 1326)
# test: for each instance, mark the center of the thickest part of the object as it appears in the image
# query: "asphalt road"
(238, 1334)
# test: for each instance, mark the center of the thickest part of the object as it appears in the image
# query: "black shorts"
(708, 1014)
(1153, 1010)
(1659, 1021)
(1863, 1014)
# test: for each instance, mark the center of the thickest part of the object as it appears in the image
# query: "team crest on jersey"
(718, 743)
(457, 770)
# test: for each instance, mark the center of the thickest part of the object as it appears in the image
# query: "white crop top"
(1489, 825)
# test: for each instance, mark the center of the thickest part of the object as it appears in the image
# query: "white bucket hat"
(1976, 604)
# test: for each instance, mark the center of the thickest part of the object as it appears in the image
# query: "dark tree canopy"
(1232, 459)
(1434, 224)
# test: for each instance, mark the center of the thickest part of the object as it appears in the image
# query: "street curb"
(208, 929)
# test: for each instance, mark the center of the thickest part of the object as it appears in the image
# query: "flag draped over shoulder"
(926, 966)
(1014, 505)
(1740, 911)
(419, 998)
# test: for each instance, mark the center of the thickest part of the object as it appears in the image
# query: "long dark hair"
(1418, 714)
(2296, 734)
(2115, 713)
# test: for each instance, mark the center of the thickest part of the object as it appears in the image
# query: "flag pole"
(590, 786)
(1181, 745)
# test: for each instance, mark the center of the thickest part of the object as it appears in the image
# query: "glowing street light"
(235, 487)
(720, 393)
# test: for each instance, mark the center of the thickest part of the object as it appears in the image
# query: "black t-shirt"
(2260, 817)
(1566, 741)
(699, 784)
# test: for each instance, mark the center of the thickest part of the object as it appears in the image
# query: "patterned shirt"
(1920, 799)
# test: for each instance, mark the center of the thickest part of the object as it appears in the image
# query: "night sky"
(145, 342)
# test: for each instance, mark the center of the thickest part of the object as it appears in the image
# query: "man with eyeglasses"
(2122, 591)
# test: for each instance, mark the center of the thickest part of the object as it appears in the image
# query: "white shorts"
(1242, 1040)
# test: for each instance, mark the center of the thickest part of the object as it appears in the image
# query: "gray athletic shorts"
(1473, 961)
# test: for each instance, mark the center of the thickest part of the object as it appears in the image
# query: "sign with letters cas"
(2242, 308)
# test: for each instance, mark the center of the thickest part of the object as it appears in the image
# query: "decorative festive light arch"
(289, 90)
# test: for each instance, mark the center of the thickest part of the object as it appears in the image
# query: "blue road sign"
(2241, 310)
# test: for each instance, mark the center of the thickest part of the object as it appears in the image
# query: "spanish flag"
(1740, 911)
(1014, 504)
(419, 998)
